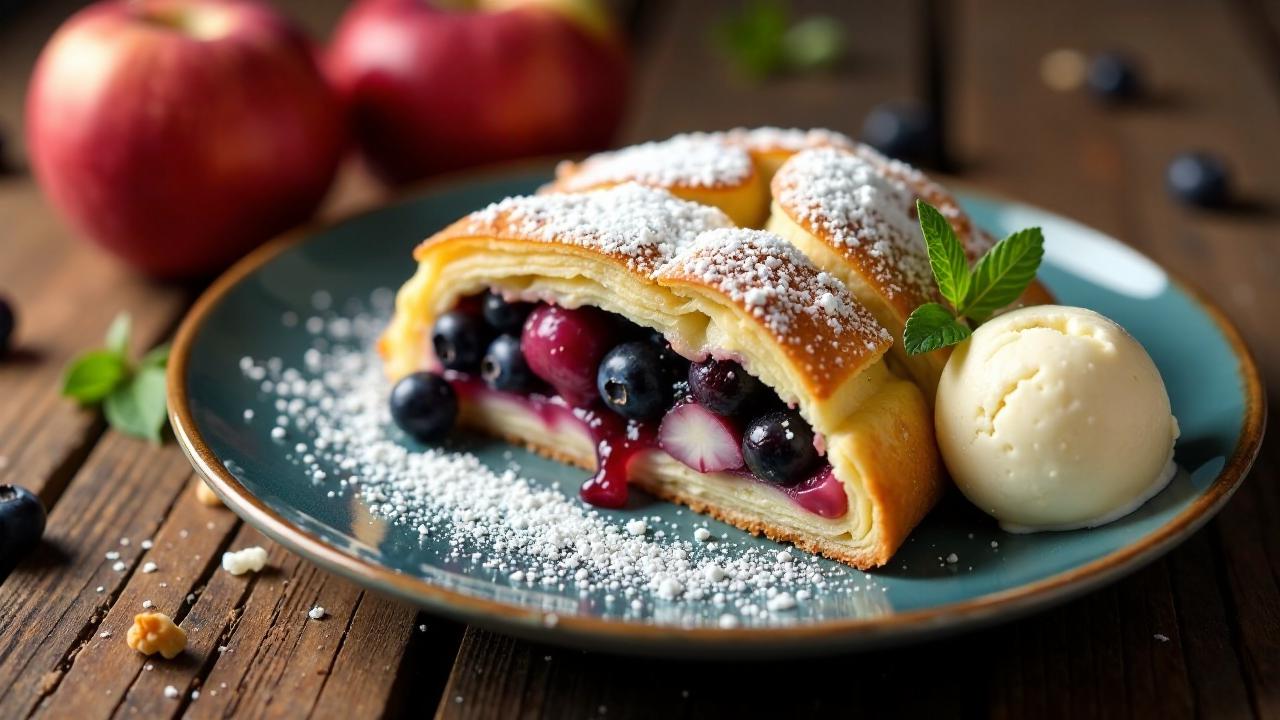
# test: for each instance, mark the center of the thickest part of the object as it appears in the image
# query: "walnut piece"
(205, 495)
(154, 632)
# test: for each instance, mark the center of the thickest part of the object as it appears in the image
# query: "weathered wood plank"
(687, 84)
(186, 550)
(278, 658)
(65, 295)
(50, 607)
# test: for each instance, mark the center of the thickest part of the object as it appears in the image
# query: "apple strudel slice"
(645, 338)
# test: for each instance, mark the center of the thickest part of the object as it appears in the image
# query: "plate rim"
(585, 631)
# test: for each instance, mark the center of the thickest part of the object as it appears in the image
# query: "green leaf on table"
(813, 43)
(157, 357)
(139, 407)
(753, 37)
(930, 327)
(94, 375)
(1003, 274)
(946, 254)
(118, 334)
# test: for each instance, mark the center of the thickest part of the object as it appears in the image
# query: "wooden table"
(1197, 632)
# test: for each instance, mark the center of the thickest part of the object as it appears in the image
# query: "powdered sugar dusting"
(911, 180)
(695, 160)
(801, 306)
(862, 214)
(767, 139)
(495, 529)
(643, 226)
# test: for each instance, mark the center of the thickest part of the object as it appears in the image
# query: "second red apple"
(431, 89)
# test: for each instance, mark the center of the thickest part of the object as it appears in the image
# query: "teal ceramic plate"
(259, 309)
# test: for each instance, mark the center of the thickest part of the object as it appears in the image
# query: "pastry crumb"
(316, 613)
(239, 562)
(205, 494)
(155, 632)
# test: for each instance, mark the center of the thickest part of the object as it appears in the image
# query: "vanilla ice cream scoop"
(1055, 418)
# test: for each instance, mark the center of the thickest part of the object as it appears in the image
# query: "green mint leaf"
(932, 326)
(138, 407)
(946, 254)
(157, 357)
(813, 43)
(93, 376)
(752, 37)
(118, 334)
(1003, 274)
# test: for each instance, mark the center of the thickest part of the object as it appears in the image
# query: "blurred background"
(224, 124)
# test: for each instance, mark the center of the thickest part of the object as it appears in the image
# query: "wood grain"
(50, 607)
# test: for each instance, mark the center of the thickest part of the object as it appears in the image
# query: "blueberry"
(503, 316)
(424, 405)
(901, 131)
(504, 366)
(1197, 178)
(21, 525)
(778, 447)
(7, 323)
(1113, 77)
(633, 381)
(723, 386)
(459, 339)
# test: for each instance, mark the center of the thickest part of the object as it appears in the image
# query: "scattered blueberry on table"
(22, 519)
(1198, 178)
(900, 131)
(7, 323)
(1113, 77)
(424, 405)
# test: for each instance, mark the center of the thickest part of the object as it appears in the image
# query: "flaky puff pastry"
(853, 212)
(845, 205)
(712, 290)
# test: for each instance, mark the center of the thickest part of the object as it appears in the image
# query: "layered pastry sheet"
(711, 291)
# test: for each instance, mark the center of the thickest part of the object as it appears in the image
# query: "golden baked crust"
(845, 205)
(698, 167)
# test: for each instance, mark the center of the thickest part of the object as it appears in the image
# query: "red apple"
(180, 134)
(431, 89)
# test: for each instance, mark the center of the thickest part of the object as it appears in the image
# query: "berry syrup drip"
(618, 442)
(821, 494)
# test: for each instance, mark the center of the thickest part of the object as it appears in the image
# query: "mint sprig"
(762, 40)
(998, 278)
(132, 396)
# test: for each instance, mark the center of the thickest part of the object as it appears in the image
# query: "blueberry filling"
(630, 389)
